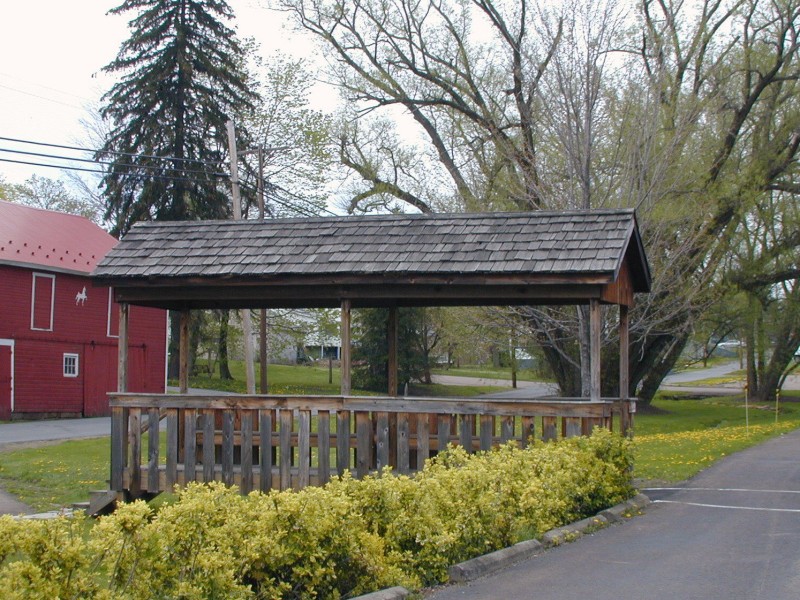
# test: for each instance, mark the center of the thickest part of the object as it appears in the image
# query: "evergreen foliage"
(371, 351)
(181, 81)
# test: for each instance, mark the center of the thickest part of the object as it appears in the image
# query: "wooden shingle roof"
(326, 255)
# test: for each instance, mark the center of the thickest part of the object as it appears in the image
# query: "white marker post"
(747, 409)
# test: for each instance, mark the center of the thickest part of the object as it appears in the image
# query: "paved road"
(524, 389)
(25, 432)
(733, 532)
(698, 374)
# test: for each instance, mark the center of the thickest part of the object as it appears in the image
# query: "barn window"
(70, 365)
(43, 294)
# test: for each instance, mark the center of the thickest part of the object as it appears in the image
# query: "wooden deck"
(314, 438)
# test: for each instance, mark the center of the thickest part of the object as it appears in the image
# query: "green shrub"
(348, 538)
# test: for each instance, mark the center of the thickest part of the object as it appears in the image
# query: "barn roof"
(302, 260)
(49, 240)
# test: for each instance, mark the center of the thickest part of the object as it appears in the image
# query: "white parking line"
(788, 510)
(702, 489)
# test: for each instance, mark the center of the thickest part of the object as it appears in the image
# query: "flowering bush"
(347, 538)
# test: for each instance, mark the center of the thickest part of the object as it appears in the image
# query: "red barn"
(58, 333)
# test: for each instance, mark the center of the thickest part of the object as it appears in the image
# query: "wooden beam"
(122, 348)
(392, 338)
(595, 328)
(346, 360)
(183, 352)
(194, 294)
(624, 367)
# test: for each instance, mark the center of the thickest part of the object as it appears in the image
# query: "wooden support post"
(190, 446)
(443, 432)
(265, 424)
(423, 439)
(135, 444)
(403, 450)
(595, 326)
(247, 451)
(393, 385)
(227, 446)
(119, 415)
(208, 446)
(346, 356)
(528, 431)
(173, 420)
(323, 446)
(363, 444)
(548, 428)
(382, 440)
(119, 436)
(303, 448)
(392, 339)
(122, 348)
(286, 418)
(624, 369)
(342, 441)
(183, 346)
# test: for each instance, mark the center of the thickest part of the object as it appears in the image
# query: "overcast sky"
(51, 56)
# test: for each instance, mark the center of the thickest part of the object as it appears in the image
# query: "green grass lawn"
(281, 379)
(56, 475)
(689, 435)
(286, 379)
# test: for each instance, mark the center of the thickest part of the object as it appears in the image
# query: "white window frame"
(52, 278)
(110, 314)
(71, 364)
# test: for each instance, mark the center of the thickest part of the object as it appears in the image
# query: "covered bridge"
(590, 257)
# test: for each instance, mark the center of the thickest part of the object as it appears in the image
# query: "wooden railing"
(314, 438)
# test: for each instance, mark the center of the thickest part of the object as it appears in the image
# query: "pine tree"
(371, 351)
(182, 79)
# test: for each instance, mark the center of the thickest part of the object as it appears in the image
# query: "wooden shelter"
(592, 258)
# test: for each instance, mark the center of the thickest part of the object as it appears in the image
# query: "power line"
(37, 164)
(79, 149)
(46, 87)
(99, 172)
(306, 210)
(295, 204)
(38, 96)
(103, 162)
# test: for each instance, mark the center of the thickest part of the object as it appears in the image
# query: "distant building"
(58, 333)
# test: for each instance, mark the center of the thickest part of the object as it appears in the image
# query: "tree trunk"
(656, 366)
(222, 345)
(586, 359)
(174, 359)
(750, 349)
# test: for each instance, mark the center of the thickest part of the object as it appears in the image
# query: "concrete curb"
(496, 561)
(393, 593)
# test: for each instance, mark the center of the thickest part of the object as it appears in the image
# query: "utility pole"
(247, 326)
(263, 345)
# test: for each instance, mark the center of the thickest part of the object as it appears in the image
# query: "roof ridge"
(393, 217)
